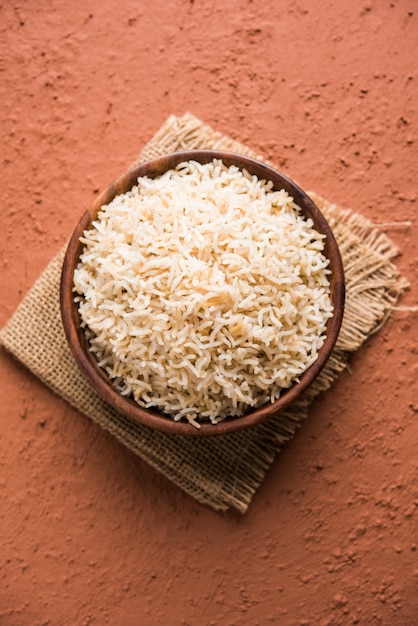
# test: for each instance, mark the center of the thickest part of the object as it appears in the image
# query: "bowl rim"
(75, 334)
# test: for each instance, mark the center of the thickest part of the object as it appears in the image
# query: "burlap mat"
(220, 471)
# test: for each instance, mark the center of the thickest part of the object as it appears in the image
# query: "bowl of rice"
(202, 293)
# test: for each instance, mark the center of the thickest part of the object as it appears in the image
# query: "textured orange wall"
(88, 533)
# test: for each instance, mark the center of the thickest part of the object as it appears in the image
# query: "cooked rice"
(203, 292)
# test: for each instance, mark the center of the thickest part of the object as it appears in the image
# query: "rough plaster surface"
(88, 533)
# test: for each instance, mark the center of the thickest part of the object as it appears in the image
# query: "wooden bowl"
(76, 337)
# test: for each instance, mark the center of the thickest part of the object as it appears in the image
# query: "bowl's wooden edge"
(75, 334)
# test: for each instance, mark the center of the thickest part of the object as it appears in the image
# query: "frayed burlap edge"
(221, 472)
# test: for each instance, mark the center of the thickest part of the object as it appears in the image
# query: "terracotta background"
(88, 533)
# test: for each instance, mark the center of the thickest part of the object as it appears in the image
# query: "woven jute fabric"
(223, 471)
